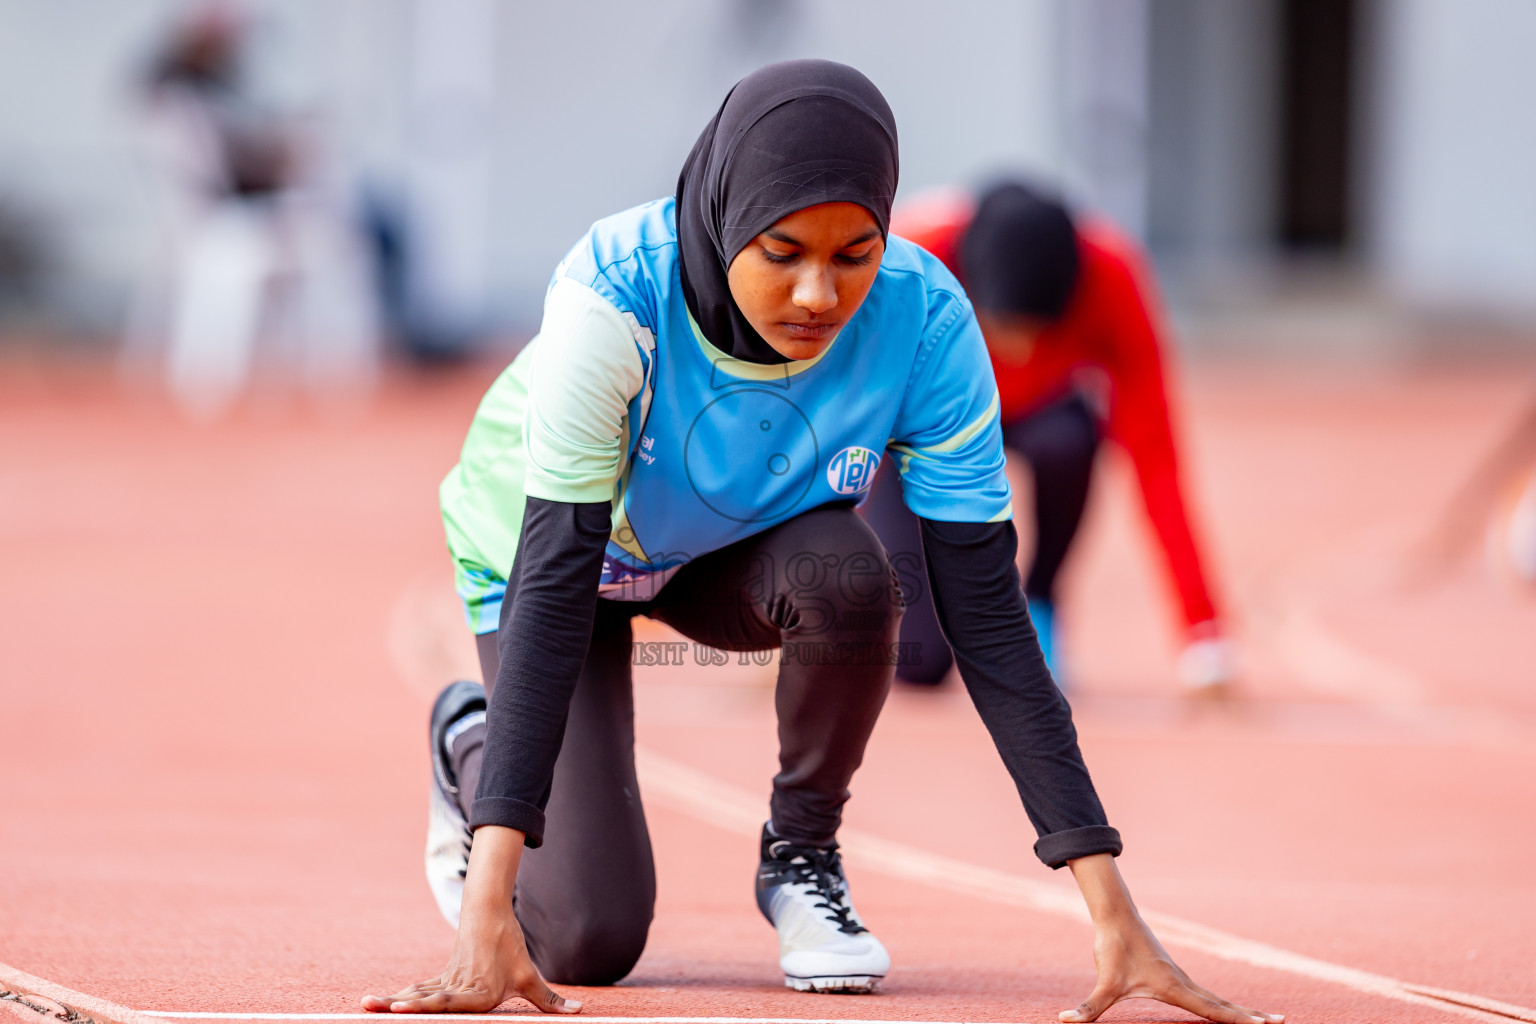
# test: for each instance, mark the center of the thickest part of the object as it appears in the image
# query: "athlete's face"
(800, 281)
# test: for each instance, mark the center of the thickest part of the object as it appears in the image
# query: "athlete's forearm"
(981, 607)
(545, 630)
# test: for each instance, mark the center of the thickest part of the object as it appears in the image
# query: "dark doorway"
(1317, 73)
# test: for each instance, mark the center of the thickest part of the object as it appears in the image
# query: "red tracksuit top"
(1112, 326)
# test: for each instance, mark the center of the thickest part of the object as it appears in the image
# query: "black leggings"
(818, 587)
(1059, 442)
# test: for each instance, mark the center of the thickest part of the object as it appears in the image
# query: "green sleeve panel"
(482, 496)
(553, 425)
(586, 370)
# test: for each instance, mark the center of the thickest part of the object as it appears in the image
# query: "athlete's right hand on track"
(1132, 963)
(490, 961)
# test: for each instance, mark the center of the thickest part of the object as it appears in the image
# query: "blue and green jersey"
(621, 398)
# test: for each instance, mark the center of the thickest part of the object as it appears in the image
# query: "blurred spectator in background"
(256, 243)
(1078, 349)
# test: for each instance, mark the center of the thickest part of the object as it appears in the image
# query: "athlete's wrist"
(1104, 891)
(494, 857)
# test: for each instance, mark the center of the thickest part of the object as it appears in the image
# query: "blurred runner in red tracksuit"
(1069, 314)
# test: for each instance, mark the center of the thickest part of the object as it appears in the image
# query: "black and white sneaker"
(460, 706)
(823, 946)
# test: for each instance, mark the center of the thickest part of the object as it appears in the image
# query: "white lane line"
(1326, 663)
(738, 810)
(504, 1016)
(1481, 1002)
(29, 984)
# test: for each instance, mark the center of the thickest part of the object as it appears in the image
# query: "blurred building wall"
(64, 158)
(602, 101)
(1213, 94)
(590, 107)
(1450, 184)
(1162, 113)
(1104, 113)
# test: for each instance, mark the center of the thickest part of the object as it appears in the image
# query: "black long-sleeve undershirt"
(546, 626)
(984, 615)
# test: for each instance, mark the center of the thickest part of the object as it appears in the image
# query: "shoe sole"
(844, 984)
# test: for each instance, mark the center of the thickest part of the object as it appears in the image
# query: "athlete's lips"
(815, 331)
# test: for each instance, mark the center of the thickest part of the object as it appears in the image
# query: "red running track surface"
(220, 645)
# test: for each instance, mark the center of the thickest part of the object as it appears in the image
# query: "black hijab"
(1019, 254)
(788, 136)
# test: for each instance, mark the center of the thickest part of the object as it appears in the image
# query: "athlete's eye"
(857, 261)
(775, 257)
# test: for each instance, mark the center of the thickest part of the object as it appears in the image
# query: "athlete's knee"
(844, 585)
(596, 952)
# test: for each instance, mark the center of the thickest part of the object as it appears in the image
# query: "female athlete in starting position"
(715, 380)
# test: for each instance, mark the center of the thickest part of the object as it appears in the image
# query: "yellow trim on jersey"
(964, 434)
(967, 432)
(907, 455)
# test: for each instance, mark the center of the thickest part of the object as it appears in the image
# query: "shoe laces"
(822, 870)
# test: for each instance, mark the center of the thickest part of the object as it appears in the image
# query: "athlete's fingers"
(547, 999)
(1267, 1018)
(530, 985)
(1089, 1009)
(472, 1000)
(1271, 1018)
(1214, 1008)
(381, 1004)
(1258, 1016)
(435, 1002)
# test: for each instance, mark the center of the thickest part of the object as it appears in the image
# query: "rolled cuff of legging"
(1057, 848)
(509, 813)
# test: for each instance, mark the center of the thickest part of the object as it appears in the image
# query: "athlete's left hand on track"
(490, 962)
(1132, 963)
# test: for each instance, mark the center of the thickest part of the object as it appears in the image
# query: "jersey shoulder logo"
(852, 470)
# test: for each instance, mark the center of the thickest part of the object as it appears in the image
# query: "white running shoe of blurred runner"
(823, 946)
(458, 707)
(1208, 667)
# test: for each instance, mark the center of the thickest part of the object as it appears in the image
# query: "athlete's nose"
(815, 292)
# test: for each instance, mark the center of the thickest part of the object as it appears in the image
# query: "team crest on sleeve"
(852, 470)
